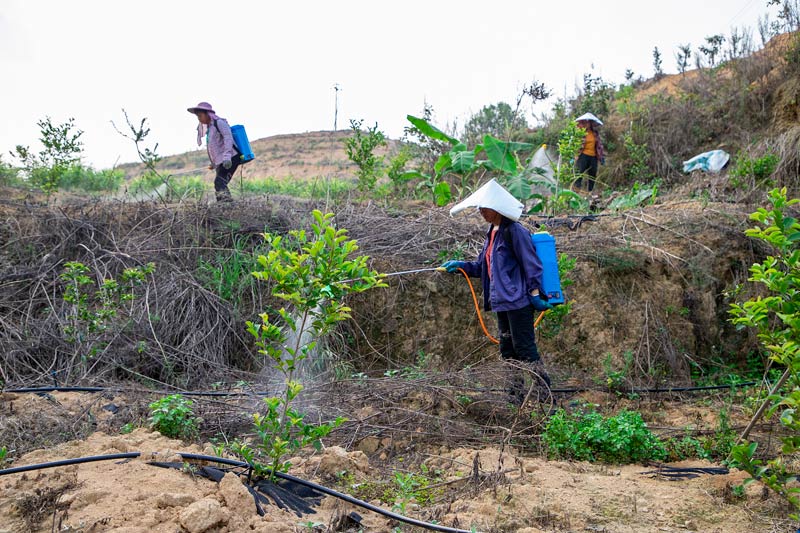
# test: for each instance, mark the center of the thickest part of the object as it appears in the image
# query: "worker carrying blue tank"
(511, 274)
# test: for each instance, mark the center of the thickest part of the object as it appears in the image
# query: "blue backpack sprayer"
(545, 246)
(240, 143)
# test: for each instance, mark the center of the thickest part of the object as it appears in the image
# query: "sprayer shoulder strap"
(235, 148)
(509, 239)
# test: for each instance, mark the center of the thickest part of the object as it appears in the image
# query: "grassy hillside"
(294, 155)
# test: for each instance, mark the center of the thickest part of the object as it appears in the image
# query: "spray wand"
(472, 291)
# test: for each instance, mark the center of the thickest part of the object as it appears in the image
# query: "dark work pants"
(517, 336)
(586, 164)
(224, 177)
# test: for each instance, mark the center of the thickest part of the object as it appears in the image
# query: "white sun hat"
(589, 116)
(493, 196)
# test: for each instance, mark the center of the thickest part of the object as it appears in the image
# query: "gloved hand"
(227, 164)
(453, 266)
(539, 303)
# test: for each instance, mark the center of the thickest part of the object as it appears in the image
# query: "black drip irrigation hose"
(265, 393)
(233, 462)
(37, 390)
(662, 390)
(69, 462)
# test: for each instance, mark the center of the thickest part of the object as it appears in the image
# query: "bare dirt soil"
(489, 488)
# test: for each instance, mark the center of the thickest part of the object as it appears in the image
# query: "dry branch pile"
(651, 282)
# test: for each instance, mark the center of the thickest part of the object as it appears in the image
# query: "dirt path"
(530, 495)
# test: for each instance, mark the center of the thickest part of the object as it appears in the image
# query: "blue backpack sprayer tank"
(242, 143)
(545, 245)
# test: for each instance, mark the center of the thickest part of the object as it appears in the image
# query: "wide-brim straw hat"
(590, 117)
(493, 196)
(202, 106)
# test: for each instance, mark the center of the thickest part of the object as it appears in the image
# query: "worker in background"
(511, 275)
(219, 144)
(592, 151)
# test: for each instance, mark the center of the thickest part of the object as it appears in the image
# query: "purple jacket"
(219, 141)
(512, 279)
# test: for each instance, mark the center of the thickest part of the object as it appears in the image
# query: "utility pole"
(336, 107)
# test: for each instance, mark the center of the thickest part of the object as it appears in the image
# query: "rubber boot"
(540, 374)
(224, 196)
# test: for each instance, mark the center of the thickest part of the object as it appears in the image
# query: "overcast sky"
(272, 65)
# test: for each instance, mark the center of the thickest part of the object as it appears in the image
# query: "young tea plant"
(776, 318)
(570, 141)
(62, 149)
(172, 416)
(93, 309)
(360, 148)
(312, 273)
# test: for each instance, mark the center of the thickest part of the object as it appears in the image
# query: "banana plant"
(500, 157)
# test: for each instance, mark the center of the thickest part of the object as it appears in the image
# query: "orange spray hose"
(477, 307)
(478, 310)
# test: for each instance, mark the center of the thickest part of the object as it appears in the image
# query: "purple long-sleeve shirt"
(219, 142)
(515, 273)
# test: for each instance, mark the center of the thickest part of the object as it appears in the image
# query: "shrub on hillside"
(81, 178)
(753, 170)
(590, 436)
(8, 174)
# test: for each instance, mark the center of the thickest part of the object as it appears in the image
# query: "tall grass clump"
(314, 188)
(180, 188)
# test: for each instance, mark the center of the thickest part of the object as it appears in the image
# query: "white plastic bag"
(712, 161)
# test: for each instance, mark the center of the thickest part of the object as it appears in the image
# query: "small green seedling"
(312, 273)
(172, 416)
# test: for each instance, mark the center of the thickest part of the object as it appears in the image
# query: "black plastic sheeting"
(285, 494)
(673, 472)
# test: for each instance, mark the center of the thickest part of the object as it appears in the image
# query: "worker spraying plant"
(511, 274)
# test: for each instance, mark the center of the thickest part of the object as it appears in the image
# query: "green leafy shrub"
(9, 176)
(590, 436)
(81, 178)
(638, 195)
(172, 416)
(312, 272)
(229, 273)
(557, 196)
(409, 487)
(3, 455)
(596, 96)
(94, 308)
(638, 156)
(753, 170)
(62, 149)
(360, 148)
(776, 318)
(686, 447)
(498, 120)
(146, 184)
(616, 378)
(396, 170)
